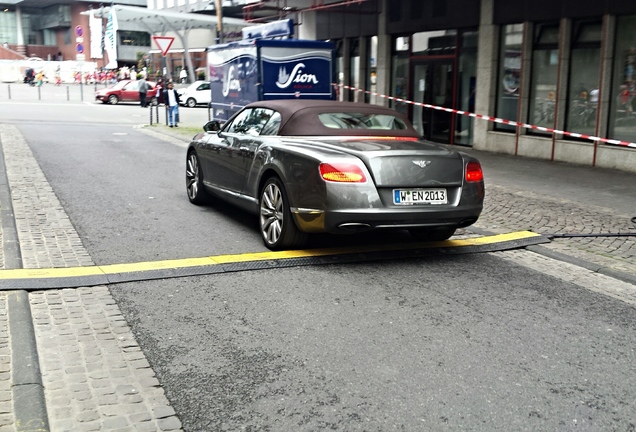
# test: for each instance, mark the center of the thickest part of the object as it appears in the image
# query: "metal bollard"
(68, 94)
(39, 93)
(9, 90)
(150, 109)
(81, 91)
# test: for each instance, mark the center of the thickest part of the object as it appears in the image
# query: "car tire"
(191, 102)
(432, 234)
(277, 227)
(194, 180)
(113, 100)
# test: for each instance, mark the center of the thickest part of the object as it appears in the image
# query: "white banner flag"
(96, 28)
(110, 40)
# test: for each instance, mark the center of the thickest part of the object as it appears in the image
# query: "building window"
(49, 37)
(400, 73)
(339, 69)
(133, 38)
(372, 56)
(30, 35)
(441, 42)
(509, 74)
(543, 81)
(623, 102)
(8, 27)
(354, 66)
(466, 86)
(583, 85)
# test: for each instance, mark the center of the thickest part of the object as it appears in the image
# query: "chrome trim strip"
(298, 210)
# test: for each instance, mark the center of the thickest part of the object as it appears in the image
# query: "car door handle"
(244, 149)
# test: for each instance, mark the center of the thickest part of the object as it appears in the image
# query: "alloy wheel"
(272, 216)
(196, 195)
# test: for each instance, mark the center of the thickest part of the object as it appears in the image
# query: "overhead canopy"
(160, 21)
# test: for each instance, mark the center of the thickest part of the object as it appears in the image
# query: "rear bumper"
(357, 220)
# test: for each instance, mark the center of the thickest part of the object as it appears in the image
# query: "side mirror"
(212, 126)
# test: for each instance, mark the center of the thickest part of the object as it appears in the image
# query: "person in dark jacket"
(171, 99)
(143, 90)
(29, 77)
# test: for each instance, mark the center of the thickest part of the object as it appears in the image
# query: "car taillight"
(474, 172)
(342, 172)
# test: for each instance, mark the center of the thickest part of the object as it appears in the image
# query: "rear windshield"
(361, 121)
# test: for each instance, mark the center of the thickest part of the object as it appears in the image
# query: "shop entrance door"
(433, 84)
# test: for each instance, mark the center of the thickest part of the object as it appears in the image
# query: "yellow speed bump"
(116, 273)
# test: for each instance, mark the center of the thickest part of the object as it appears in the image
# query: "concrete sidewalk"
(92, 375)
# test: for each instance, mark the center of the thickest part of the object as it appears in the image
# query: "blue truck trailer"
(262, 69)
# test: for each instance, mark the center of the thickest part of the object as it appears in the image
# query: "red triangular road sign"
(164, 43)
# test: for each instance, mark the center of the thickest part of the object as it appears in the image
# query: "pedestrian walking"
(143, 92)
(171, 100)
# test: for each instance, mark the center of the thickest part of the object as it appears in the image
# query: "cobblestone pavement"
(6, 405)
(94, 373)
(506, 210)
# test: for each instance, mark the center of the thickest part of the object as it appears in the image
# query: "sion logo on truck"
(232, 82)
(297, 76)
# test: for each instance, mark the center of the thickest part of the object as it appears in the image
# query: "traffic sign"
(164, 43)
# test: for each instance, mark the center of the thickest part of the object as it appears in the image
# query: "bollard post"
(81, 91)
(68, 94)
(9, 89)
(150, 109)
(209, 115)
(39, 93)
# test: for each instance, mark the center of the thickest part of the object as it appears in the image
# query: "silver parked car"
(307, 166)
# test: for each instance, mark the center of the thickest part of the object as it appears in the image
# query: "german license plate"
(419, 196)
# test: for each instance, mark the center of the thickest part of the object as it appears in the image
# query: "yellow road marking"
(47, 273)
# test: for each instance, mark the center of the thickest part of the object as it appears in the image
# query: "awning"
(159, 21)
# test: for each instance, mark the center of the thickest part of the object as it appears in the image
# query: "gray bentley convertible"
(307, 166)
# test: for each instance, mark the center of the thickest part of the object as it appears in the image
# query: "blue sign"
(282, 28)
(306, 73)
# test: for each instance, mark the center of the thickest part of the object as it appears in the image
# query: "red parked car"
(127, 91)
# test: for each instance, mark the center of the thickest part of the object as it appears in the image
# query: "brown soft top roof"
(299, 117)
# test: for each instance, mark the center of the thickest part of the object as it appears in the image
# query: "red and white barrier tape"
(496, 119)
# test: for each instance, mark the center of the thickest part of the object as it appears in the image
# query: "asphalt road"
(443, 343)
(470, 342)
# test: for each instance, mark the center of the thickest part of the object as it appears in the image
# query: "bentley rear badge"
(421, 163)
